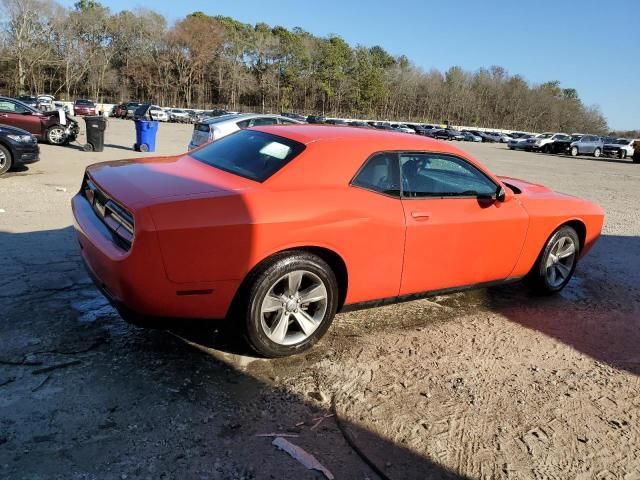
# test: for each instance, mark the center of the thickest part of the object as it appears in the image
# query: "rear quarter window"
(250, 154)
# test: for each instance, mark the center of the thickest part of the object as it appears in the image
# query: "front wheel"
(597, 152)
(289, 304)
(574, 151)
(56, 135)
(557, 262)
(622, 155)
(5, 160)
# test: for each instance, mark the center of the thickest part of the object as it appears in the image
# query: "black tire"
(56, 136)
(622, 154)
(546, 149)
(597, 152)
(6, 160)
(261, 281)
(538, 277)
(574, 151)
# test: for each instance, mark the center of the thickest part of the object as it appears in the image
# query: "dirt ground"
(486, 384)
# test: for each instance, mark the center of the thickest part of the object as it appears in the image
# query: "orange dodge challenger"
(280, 227)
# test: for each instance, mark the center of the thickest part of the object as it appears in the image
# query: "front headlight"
(21, 138)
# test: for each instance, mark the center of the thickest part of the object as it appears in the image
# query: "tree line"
(205, 61)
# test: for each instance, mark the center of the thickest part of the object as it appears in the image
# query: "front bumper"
(24, 153)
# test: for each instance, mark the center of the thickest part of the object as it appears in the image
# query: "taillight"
(118, 220)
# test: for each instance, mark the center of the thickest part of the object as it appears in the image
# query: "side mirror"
(501, 194)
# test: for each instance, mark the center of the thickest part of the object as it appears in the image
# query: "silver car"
(587, 145)
(218, 127)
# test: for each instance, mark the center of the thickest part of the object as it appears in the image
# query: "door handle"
(421, 215)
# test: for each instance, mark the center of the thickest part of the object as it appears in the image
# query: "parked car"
(335, 121)
(316, 119)
(207, 235)
(43, 125)
(498, 137)
(541, 143)
(358, 123)
(84, 107)
(62, 106)
(29, 100)
(157, 113)
(295, 116)
(587, 145)
(46, 103)
(218, 127)
(518, 143)
(470, 137)
(562, 143)
(130, 110)
(620, 147)
(448, 134)
(483, 135)
(17, 147)
(401, 127)
(178, 115)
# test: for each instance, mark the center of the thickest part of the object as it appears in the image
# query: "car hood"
(6, 129)
(142, 182)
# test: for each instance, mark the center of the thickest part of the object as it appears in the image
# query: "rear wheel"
(557, 261)
(597, 152)
(5, 160)
(622, 154)
(289, 304)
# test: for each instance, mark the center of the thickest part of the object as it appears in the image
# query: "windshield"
(545, 135)
(249, 153)
(622, 141)
(84, 102)
(575, 138)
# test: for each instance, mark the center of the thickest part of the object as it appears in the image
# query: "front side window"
(438, 175)
(380, 174)
(250, 154)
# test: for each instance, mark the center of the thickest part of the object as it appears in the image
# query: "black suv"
(17, 147)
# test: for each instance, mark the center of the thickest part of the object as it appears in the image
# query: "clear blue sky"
(592, 46)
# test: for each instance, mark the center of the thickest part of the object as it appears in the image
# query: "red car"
(43, 125)
(84, 108)
(280, 227)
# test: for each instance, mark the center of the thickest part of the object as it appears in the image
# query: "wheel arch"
(335, 261)
(6, 145)
(581, 229)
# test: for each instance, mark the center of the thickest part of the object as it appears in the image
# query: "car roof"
(242, 116)
(376, 138)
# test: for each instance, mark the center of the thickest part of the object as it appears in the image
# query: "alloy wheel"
(3, 160)
(293, 307)
(560, 261)
(56, 135)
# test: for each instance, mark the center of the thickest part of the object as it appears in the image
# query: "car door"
(457, 234)
(16, 115)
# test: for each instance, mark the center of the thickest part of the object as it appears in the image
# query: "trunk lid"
(142, 182)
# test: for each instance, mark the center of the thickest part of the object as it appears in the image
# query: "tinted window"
(380, 174)
(250, 154)
(256, 122)
(435, 175)
(243, 124)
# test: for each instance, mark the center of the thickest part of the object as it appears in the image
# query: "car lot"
(486, 384)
